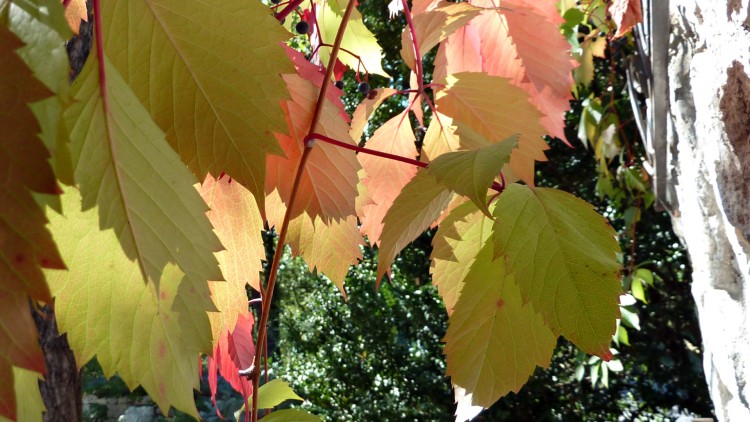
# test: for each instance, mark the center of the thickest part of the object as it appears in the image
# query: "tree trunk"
(61, 388)
(708, 167)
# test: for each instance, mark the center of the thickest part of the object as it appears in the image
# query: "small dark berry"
(275, 1)
(363, 88)
(372, 94)
(339, 84)
(602, 33)
(580, 40)
(302, 27)
(584, 29)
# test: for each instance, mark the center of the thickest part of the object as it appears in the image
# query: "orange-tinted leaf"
(75, 12)
(328, 247)
(440, 138)
(495, 109)
(434, 26)
(26, 245)
(415, 101)
(626, 14)
(237, 221)
(328, 186)
(521, 42)
(386, 178)
(316, 74)
(365, 109)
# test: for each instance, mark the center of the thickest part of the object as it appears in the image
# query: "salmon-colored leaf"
(495, 109)
(386, 178)
(75, 12)
(328, 186)
(234, 352)
(434, 26)
(365, 109)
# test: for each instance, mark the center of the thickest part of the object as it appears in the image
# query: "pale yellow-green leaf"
(150, 338)
(440, 138)
(140, 187)
(495, 109)
(564, 256)
(41, 25)
(274, 393)
(434, 26)
(471, 173)
(494, 341)
(290, 415)
(420, 203)
(209, 74)
(357, 39)
(460, 237)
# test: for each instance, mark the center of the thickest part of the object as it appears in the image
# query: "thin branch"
(415, 44)
(499, 187)
(273, 272)
(288, 9)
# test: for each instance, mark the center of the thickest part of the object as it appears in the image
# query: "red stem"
(273, 272)
(496, 186)
(415, 44)
(288, 9)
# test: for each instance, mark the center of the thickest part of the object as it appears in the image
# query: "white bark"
(709, 140)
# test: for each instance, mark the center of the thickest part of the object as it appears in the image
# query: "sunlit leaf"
(563, 256)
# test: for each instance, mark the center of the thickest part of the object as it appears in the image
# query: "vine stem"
(288, 9)
(268, 292)
(499, 187)
(415, 44)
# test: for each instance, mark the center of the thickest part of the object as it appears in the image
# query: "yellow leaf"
(365, 109)
(440, 138)
(149, 338)
(357, 39)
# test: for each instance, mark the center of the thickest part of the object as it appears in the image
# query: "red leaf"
(235, 352)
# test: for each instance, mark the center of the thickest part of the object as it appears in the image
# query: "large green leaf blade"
(209, 74)
(471, 173)
(564, 257)
(494, 341)
(142, 190)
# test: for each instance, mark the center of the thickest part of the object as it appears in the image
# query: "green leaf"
(494, 341)
(149, 338)
(290, 415)
(142, 189)
(564, 257)
(622, 335)
(636, 287)
(471, 173)
(209, 75)
(274, 393)
(418, 205)
(645, 275)
(630, 318)
(271, 395)
(460, 237)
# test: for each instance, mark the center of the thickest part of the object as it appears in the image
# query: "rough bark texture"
(709, 136)
(61, 388)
